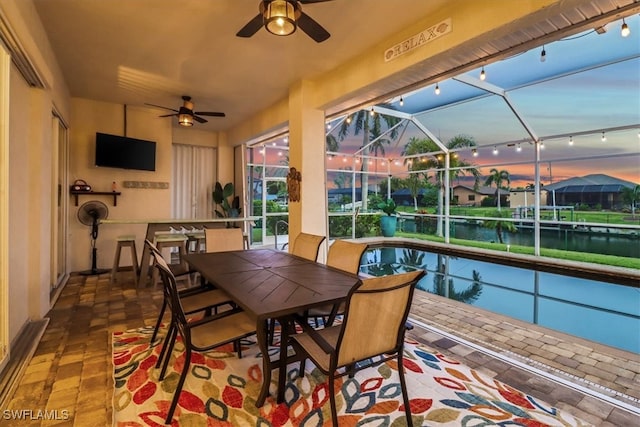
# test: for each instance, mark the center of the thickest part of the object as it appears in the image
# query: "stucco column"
(307, 155)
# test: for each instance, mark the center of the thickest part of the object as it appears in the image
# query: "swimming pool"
(604, 312)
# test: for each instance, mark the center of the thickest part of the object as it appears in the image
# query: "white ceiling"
(154, 51)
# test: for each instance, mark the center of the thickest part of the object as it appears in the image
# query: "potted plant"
(389, 221)
(229, 205)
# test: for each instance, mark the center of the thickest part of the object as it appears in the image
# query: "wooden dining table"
(272, 285)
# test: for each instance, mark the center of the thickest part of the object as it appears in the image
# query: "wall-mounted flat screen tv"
(114, 151)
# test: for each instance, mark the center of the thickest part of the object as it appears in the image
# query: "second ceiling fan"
(282, 17)
(186, 115)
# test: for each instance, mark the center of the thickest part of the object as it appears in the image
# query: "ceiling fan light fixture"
(185, 119)
(280, 17)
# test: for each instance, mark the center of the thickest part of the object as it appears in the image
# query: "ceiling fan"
(186, 115)
(282, 17)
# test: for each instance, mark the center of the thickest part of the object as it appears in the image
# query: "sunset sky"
(588, 84)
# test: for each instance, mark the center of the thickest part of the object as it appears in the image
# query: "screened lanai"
(485, 155)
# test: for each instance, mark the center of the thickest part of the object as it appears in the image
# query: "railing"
(275, 232)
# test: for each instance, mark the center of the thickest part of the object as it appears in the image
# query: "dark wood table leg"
(263, 344)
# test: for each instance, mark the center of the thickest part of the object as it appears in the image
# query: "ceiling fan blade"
(169, 115)
(312, 28)
(252, 27)
(210, 113)
(199, 119)
(160, 106)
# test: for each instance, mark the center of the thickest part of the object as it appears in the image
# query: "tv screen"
(114, 151)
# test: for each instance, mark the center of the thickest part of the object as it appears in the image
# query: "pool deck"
(597, 383)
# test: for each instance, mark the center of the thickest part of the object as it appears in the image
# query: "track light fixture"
(483, 76)
(437, 89)
(543, 55)
(571, 140)
(624, 30)
(518, 148)
(474, 151)
(372, 113)
(541, 145)
(401, 102)
(603, 138)
(495, 150)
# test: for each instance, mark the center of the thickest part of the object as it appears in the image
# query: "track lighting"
(328, 126)
(518, 148)
(344, 159)
(474, 151)
(543, 55)
(624, 30)
(483, 76)
(437, 90)
(495, 150)
(401, 102)
(570, 140)
(348, 119)
(541, 145)
(604, 138)
(286, 139)
(372, 113)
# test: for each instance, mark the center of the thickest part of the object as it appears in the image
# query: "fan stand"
(94, 253)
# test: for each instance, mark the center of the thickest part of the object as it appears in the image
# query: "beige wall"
(517, 198)
(90, 117)
(463, 197)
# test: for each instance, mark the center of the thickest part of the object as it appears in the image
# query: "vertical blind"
(193, 177)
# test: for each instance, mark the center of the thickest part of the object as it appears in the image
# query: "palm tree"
(499, 225)
(631, 196)
(414, 185)
(363, 121)
(457, 166)
(497, 177)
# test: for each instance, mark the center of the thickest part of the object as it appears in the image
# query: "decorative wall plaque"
(154, 185)
(293, 184)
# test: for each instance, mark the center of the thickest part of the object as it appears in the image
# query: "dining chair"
(345, 256)
(307, 246)
(372, 332)
(223, 239)
(194, 300)
(200, 335)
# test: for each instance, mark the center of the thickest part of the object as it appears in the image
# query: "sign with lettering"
(418, 40)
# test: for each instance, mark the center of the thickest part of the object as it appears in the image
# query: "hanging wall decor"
(293, 184)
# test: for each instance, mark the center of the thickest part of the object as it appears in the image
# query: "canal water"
(603, 312)
(599, 242)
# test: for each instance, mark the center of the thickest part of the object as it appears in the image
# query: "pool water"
(598, 311)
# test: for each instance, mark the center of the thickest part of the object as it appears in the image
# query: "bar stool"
(195, 241)
(124, 242)
(173, 240)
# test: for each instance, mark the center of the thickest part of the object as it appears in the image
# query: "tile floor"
(71, 369)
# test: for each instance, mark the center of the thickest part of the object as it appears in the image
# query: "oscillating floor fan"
(90, 214)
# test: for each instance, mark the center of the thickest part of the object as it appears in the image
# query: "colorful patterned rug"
(221, 391)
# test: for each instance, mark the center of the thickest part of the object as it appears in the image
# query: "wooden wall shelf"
(115, 195)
